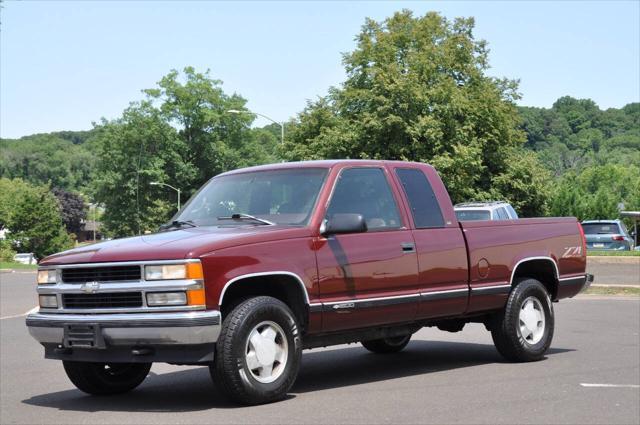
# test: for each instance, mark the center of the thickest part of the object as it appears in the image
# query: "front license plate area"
(83, 336)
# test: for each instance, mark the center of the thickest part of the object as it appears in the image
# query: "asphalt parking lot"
(590, 375)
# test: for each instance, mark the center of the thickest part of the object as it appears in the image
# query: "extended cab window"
(365, 191)
(424, 205)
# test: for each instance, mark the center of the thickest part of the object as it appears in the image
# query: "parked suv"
(492, 210)
(605, 235)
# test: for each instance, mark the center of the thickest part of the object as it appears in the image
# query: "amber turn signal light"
(196, 297)
(194, 271)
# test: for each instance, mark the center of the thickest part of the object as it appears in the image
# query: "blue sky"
(66, 64)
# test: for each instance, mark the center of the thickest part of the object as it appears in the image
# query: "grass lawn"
(613, 290)
(613, 253)
(17, 266)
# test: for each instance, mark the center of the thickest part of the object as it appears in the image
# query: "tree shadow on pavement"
(192, 390)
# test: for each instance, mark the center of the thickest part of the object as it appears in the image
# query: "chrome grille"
(101, 274)
(102, 300)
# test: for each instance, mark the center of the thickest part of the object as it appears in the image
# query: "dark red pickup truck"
(264, 262)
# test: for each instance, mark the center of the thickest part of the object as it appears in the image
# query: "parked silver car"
(492, 210)
(25, 258)
(605, 235)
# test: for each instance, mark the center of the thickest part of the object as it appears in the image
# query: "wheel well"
(283, 287)
(539, 269)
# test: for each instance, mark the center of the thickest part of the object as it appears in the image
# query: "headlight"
(48, 301)
(46, 276)
(173, 271)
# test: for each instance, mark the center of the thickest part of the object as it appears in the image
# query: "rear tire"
(523, 331)
(258, 352)
(387, 345)
(106, 378)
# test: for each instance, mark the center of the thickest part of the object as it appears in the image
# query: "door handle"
(408, 247)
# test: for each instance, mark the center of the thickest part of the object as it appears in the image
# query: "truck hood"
(176, 244)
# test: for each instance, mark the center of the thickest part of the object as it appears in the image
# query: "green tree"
(417, 89)
(181, 134)
(72, 208)
(33, 218)
(133, 151)
(214, 140)
(596, 192)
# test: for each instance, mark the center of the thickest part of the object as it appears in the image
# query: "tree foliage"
(574, 134)
(133, 151)
(47, 158)
(596, 192)
(32, 216)
(72, 209)
(182, 135)
(417, 90)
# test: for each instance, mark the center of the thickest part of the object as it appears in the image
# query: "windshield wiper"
(240, 217)
(177, 224)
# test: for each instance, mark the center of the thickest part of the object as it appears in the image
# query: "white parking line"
(34, 309)
(610, 385)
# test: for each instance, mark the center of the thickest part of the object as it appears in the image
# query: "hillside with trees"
(594, 156)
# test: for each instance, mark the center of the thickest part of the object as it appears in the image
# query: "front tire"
(387, 345)
(258, 351)
(523, 331)
(106, 378)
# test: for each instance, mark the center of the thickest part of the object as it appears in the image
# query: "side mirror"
(344, 223)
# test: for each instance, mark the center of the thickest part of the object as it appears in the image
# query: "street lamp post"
(281, 124)
(168, 185)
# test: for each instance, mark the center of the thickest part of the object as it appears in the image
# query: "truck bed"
(495, 248)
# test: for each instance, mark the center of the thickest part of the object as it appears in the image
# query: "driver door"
(367, 279)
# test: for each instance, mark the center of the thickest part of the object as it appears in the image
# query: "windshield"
(600, 228)
(464, 215)
(285, 196)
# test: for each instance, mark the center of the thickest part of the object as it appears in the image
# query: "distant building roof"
(633, 214)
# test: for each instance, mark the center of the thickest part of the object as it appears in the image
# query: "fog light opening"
(157, 299)
(48, 301)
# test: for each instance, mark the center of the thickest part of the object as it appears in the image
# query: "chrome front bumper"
(112, 330)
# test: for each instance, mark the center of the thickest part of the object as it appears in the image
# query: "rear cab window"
(422, 200)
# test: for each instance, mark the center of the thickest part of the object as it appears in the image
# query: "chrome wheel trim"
(531, 321)
(266, 352)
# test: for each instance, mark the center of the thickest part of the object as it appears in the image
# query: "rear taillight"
(584, 239)
(617, 238)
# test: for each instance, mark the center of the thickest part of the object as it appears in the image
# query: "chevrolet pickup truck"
(264, 262)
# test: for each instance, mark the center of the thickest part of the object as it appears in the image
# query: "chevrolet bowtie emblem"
(90, 287)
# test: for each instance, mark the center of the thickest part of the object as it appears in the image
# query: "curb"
(17, 271)
(602, 259)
